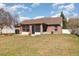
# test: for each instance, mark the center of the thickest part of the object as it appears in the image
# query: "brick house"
(40, 26)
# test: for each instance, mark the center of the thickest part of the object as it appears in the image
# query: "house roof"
(48, 21)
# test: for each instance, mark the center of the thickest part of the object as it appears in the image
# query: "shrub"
(76, 31)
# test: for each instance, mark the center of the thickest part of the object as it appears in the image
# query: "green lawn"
(43, 45)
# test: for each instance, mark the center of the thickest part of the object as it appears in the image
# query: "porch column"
(21, 30)
(41, 28)
(30, 32)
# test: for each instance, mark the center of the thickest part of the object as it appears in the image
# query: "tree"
(5, 19)
(64, 22)
(73, 23)
(16, 19)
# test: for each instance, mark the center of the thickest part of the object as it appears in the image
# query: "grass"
(42, 45)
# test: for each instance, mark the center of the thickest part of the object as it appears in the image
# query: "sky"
(37, 10)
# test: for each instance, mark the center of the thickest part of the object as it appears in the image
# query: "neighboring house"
(40, 26)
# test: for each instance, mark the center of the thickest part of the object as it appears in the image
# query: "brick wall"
(52, 29)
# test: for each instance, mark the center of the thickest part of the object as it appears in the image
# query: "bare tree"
(16, 19)
(73, 23)
(5, 19)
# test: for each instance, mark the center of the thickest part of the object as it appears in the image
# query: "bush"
(76, 31)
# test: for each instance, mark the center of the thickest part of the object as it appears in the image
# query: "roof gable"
(49, 20)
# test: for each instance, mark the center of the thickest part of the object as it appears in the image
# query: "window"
(37, 28)
(25, 28)
(56, 28)
(44, 28)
